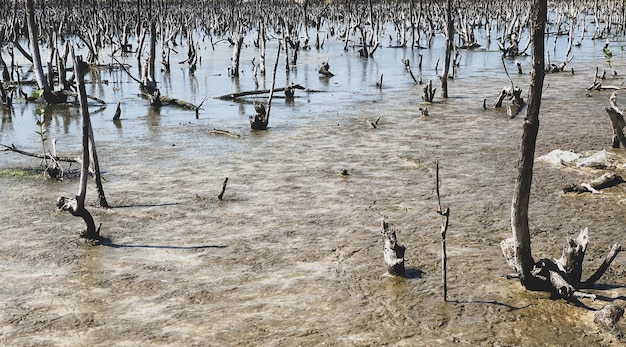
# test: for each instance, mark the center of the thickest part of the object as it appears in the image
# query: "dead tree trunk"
(33, 36)
(238, 42)
(102, 200)
(262, 117)
(76, 205)
(560, 277)
(148, 84)
(519, 208)
(449, 47)
(262, 43)
(393, 252)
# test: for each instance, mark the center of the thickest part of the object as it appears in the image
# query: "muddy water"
(292, 255)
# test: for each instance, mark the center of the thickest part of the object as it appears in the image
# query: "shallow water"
(292, 255)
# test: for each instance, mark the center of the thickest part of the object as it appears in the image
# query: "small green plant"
(42, 134)
(51, 167)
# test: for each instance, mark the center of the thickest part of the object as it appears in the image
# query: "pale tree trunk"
(519, 208)
(76, 205)
(412, 17)
(449, 47)
(238, 42)
(33, 35)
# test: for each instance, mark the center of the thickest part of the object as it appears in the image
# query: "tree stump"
(324, 70)
(617, 121)
(393, 252)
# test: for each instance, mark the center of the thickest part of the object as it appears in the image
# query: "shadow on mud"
(413, 274)
(147, 205)
(108, 243)
(489, 302)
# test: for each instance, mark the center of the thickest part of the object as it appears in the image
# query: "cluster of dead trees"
(561, 277)
(146, 29)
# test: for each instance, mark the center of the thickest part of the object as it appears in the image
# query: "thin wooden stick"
(223, 189)
(269, 100)
(445, 217)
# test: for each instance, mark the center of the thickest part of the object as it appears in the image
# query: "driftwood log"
(234, 96)
(607, 180)
(393, 252)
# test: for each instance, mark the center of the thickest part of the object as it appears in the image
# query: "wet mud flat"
(292, 255)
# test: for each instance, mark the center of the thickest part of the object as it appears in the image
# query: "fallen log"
(607, 180)
(164, 100)
(234, 96)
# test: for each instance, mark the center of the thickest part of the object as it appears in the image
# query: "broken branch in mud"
(407, 66)
(393, 252)
(615, 249)
(224, 132)
(118, 112)
(221, 195)
(12, 148)
(597, 85)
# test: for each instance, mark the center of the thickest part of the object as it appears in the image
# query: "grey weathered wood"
(76, 205)
(521, 196)
(393, 252)
(617, 120)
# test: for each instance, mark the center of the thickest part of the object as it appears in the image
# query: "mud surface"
(292, 255)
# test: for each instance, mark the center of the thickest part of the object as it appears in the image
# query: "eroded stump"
(393, 252)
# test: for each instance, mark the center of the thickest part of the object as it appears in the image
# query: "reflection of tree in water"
(6, 122)
(154, 119)
(61, 114)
